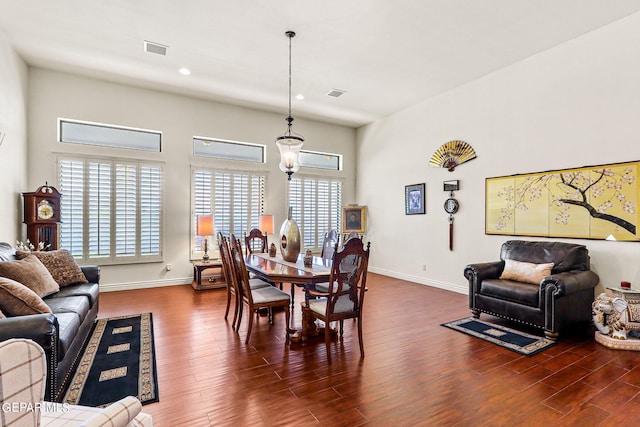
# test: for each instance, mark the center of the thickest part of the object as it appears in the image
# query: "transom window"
(229, 150)
(317, 207)
(111, 210)
(88, 133)
(318, 160)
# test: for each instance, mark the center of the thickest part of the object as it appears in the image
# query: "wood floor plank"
(415, 372)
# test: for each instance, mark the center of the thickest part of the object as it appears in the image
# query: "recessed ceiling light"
(184, 71)
(300, 96)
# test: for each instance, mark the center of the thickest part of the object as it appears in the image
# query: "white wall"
(13, 151)
(53, 94)
(577, 104)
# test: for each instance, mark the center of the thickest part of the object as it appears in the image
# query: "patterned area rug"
(520, 342)
(119, 361)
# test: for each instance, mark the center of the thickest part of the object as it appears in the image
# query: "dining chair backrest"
(256, 241)
(329, 244)
(223, 247)
(348, 277)
(241, 275)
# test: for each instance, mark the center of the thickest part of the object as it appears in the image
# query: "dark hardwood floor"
(415, 372)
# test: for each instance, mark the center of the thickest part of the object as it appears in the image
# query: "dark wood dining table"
(277, 270)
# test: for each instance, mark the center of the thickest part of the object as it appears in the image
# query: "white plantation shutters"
(235, 199)
(317, 207)
(111, 210)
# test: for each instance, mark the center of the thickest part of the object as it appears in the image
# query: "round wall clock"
(451, 205)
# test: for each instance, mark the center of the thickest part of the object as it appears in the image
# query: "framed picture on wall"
(354, 218)
(414, 199)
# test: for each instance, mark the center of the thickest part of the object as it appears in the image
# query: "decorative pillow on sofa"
(18, 300)
(31, 273)
(60, 264)
(525, 271)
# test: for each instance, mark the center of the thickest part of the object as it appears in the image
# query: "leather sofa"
(62, 333)
(560, 301)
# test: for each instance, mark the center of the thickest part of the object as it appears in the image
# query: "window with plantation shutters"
(111, 210)
(234, 198)
(317, 207)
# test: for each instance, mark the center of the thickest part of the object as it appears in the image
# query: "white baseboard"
(111, 287)
(461, 289)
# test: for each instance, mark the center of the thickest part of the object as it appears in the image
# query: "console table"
(214, 279)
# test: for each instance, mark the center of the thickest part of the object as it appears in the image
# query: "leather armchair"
(561, 301)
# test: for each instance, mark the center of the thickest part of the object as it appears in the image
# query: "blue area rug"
(118, 361)
(520, 342)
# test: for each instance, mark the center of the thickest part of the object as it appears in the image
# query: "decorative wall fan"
(452, 154)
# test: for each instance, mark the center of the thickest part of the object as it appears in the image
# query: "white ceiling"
(387, 55)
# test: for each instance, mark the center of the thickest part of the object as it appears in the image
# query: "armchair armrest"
(476, 273)
(91, 272)
(570, 282)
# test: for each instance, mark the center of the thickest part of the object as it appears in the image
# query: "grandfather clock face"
(45, 210)
(42, 216)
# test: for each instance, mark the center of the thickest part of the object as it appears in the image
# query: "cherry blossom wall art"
(590, 202)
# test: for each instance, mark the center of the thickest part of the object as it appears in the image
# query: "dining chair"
(344, 297)
(227, 271)
(329, 244)
(265, 297)
(255, 241)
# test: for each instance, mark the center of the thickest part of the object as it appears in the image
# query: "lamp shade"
(204, 225)
(266, 224)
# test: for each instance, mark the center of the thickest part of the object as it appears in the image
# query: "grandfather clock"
(42, 216)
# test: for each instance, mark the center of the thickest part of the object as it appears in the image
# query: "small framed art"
(354, 218)
(414, 199)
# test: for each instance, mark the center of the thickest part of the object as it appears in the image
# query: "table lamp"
(204, 228)
(266, 226)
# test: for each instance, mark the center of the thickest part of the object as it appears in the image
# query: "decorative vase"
(290, 239)
(272, 250)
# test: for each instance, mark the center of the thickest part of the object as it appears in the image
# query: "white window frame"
(118, 136)
(98, 210)
(306, 209)
(232, 213)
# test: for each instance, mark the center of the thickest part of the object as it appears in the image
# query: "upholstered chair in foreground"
(22, 384)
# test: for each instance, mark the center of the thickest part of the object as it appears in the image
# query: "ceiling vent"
(156, 48)
(336, 93)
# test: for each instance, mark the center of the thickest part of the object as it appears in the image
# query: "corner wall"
(13, 148)
(574, 105)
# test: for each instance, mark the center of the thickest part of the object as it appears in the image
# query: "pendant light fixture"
(290, 143)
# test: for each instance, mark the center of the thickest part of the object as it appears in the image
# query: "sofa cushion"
(78, 305)
(61, 265)
(31, 273)
(525, 271)
(68, 327)
(18, 300)
(89, 290)
(518, 292)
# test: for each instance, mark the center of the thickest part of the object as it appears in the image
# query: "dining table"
(277, 270)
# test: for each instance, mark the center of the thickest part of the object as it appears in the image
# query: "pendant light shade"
(290, 143)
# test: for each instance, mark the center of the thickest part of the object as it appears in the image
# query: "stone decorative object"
(617, 319)
(308, 258)
(272, 250)
(290, 239)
